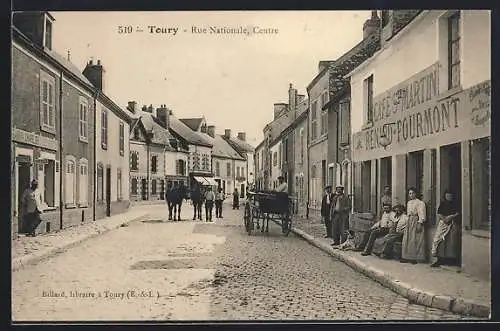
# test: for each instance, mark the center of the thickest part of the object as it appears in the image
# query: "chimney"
(324, 64)
(279, 109)
(163, 115)
(242, 136)
(37, 26)
(144, 108)
(393, 21)
(371, 25)
(211, 131)
(150, 109)
(203, 128)
(132, 106)
(292, 97)
(95, 74)
(227, 133)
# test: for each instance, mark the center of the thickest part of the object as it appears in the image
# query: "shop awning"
(206, 181)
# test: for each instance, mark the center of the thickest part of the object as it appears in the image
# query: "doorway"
(144, 189)
(23, 182)
(415, 172)
(108, 191)
(366, 179)
(242, 191)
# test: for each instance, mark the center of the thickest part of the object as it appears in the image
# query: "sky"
(231, 79)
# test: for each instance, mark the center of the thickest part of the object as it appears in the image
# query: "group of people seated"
(406, 225)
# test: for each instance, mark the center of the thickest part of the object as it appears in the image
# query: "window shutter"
(57, 181)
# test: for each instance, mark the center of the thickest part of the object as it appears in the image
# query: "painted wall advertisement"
(413, 116)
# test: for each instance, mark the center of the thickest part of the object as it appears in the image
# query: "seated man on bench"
(386, 245)
(379, 229)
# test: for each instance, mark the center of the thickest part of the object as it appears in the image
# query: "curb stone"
(456, 305)
(31, 259)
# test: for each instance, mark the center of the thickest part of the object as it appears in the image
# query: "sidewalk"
(31, 250)
(443, 288)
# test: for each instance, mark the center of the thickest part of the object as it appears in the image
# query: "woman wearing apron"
(413, 247)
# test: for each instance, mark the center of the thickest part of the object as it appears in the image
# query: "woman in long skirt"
(445, 244)
(413, 246)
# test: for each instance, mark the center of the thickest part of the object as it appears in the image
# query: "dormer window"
(47, 40)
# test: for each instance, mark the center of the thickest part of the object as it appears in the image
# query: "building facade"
(240, 144)
(300, 168)
(259, 165)
(428, 125)
(318, 96)
(48, 93)
(111, 194)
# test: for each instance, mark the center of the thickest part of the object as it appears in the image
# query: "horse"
(174, 197)
(197, 200)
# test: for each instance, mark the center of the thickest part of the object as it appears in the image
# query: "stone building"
(112, 125)
(240, 144)
(427, 125)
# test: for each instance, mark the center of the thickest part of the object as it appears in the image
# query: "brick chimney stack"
(227, 133)
(242, 136)
(132, 107)
(211, 131)
(371, 25)
(95, 74)
(163, 116)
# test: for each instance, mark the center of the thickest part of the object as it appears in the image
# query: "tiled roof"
(350, 60)
(186, 133)
(192, 123)
(279, 125)
(160, 135)
(222, 148)
(240, 145)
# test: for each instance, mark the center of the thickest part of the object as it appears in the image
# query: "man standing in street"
(325, 210)
(32, 205)
(219, 197)
(339, 215)
(209, 204)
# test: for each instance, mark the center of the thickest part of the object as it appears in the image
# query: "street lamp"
(383, 140)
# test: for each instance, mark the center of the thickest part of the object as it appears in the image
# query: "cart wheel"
(248, 220)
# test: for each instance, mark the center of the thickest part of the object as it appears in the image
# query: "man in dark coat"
(325, 210)
(339, 214)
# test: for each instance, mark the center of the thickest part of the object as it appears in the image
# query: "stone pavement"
(155, 269)
(30, 250)
(442, 288)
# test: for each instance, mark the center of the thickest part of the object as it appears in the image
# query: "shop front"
(433, 143)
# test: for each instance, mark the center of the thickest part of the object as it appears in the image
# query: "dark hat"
(328, 186)
(397, 204)
(281, 177)
(340, 186)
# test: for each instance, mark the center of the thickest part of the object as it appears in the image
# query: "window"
(454, 51)
(48, 34)
(83, 127)
(104, 129)
(368, 85)
(47, 182)
(122, 138)
(280, 156)
(228, 169)
(162, 188)
(275, 159)
(100, 183)
(134, 161)
(154, 163)
(285, 151)
(119, 192)
(134, 185)
(205, 162)
(136, 133)
(313, 171)
(153, 186)
(180, 167)
(70, 183)
(47, 102)
(83, 182)
(217, 168)
(324, 99)
(314, 121)
(345, 123)
(301, 145)
(196, 161)
(324, 122)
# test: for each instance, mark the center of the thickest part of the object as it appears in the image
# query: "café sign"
(34, 139)
(414, 117)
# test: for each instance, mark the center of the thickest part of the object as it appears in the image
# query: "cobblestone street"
(161, 270)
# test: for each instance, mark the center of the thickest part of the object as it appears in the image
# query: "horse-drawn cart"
(267, 206)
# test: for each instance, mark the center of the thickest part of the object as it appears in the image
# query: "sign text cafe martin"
(413, 117)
